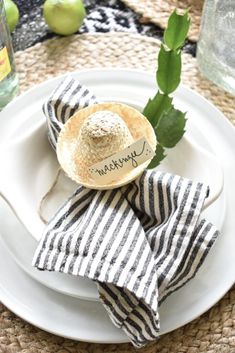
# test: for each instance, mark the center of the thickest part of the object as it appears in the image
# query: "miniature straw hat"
(97, 132)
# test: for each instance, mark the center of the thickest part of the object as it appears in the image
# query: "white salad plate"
(23, 182)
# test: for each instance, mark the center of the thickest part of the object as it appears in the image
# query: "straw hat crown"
(103, 134)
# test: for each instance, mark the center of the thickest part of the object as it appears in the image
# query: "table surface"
(214, 331)
(102, 16)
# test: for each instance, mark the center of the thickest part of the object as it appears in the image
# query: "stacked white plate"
(69, 306)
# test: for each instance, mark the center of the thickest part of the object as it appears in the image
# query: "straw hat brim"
(76, 167)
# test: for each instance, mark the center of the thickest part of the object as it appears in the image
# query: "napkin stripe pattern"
(96, 234)
(65, 100)
(206, 237)
(140, 243)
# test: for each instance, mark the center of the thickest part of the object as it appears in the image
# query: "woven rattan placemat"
(158, 11)
(213, 332)
(57, 56)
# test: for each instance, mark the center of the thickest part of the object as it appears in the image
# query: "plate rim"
(111, 69)
(16, 310)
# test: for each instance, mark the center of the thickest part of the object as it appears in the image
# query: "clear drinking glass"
(216, 46)
(8, 77)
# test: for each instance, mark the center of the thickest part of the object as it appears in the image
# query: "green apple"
(64, 16)
(12, 14)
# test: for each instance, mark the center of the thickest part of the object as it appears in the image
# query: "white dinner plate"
(209, 128)
(51, 311)
(87, 321)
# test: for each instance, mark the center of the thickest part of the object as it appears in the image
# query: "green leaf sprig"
(168, 122)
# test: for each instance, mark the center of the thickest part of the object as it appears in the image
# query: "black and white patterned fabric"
(102, 16)
(140, 243)
(69, 97)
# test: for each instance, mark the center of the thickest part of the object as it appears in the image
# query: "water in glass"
(216, 46)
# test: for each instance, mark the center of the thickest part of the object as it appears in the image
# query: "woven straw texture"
(158, 11)
(213, 332)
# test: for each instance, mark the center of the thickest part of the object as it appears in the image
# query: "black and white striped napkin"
(140, 242)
